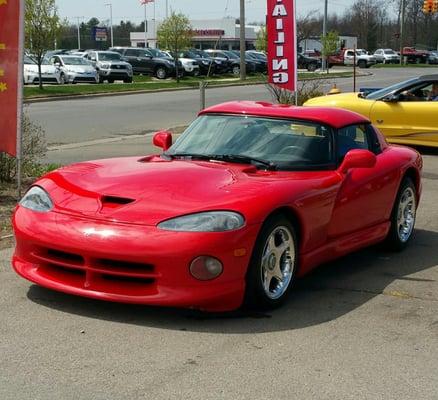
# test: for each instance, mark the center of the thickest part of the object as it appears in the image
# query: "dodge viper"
(251, 197)
(406, 113)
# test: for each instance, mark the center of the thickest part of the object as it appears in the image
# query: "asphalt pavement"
(105, 119)
(363, 327)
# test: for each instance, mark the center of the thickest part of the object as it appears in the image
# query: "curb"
(146, 91)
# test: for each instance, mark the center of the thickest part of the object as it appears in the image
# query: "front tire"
(362, 64)
(161, 73)
(273, 264)
(403, 216)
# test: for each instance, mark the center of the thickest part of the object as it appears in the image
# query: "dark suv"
(143, 62)
(309, 63)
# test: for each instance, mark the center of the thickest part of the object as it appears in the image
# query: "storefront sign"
(11, 73)
(282, 42)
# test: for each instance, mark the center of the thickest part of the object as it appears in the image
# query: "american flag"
(143, 2)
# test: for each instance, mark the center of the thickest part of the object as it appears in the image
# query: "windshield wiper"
(233, 158)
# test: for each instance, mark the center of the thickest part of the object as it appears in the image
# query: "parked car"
(433, 57)
(250, 198)
(110, 66)
(75, 69)
(260, 55)
(386, 56)
(231, 60)
(144, 62)
(206, 64)
(261, 64)
(414, 56)
(347, 56)
(188, 65)
(220, 66)
(49, 73)
(309, 63)
(404, 112)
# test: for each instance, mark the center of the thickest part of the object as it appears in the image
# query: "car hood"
(150, 190)
(333, 100)
(80, 68)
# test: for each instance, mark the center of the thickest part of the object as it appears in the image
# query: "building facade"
(217, 33)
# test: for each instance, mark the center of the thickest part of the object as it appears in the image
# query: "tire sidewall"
(255, 296)
(393, 239)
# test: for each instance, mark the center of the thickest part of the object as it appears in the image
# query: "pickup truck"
(415, 56)
(346, 57)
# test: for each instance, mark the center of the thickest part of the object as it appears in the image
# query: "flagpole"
(20, 102)
(155, 30)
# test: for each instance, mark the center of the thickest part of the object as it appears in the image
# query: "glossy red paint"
(101, 239)
(334, 117)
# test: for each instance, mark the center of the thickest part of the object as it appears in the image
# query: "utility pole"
(324, 33)
(79, 33)
(111, 22)
(167, 9)
(242, 41)
(145, 25)
(402, 30)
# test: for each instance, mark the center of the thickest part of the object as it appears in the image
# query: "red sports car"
(250, 197)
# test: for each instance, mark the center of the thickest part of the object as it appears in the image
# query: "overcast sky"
(195, 9)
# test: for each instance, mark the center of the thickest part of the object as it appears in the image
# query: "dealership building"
(217, 33)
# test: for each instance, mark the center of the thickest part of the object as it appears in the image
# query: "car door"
(349, 57)
(379, 55)
(362, 200)
(132, 57)
(410, 120)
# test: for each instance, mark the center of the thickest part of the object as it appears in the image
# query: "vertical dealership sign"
(282, 42)
(11, 74)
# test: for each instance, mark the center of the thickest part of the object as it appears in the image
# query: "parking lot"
(363, 327)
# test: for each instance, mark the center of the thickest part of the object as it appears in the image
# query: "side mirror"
(358, 159)
(163, 139)
(57, 64)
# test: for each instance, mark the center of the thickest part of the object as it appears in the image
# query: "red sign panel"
(11, 74)
(282, 42)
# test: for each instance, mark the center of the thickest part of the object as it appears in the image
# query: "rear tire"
(362, 64)
(312, 67)
(403, 216)
(273, 264)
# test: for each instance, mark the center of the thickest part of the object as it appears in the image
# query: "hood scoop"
(113, 202)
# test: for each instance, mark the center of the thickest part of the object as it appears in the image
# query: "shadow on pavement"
(330, 292)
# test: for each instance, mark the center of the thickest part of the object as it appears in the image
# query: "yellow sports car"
(406, 113)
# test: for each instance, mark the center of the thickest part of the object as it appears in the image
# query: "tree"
(42, 26)
(330, 43)
(175, 34)
(262, 39)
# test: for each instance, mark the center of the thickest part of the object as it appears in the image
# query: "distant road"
(73, 121)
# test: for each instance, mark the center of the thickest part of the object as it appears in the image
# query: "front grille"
(116, 67)
(85, 79)
(103, 274)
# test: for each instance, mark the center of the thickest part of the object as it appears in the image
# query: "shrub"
(307, 89)
(34, 148)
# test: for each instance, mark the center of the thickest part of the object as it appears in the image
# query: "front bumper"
(76, 77)
(129, 263)
(116, 73)
(30, 77)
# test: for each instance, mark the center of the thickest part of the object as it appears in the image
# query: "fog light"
(206, 268)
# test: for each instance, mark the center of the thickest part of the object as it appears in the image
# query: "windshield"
(158, 53)
(287, 144)
(28, 60)
(393, 88)
(109, 56)
(389, 52)
(74, 61)
(231, 54)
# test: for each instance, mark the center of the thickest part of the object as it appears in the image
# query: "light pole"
(242, 41)
(402, 30)
(111, 22)
(324, 32)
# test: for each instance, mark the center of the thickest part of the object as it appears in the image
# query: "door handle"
(380, 121)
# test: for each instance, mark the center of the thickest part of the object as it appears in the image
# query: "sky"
(195, 9)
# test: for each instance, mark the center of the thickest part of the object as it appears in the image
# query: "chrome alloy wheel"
(278, 262)
(406, 214)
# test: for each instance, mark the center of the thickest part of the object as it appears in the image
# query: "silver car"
(75, 69)
(387, 56)
(110, 66)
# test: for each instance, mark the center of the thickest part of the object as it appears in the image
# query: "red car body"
(95, 245)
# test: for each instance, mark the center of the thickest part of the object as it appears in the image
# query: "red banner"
(282, 42)
(11, 74)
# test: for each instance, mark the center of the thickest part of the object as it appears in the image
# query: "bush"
(307, 89)
(34, 148)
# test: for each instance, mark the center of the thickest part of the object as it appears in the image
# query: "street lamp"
(324, 32)
(111, 22)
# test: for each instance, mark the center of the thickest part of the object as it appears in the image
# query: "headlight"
(205, 62)
(212, 221)
(37, 199)
(105, 66)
